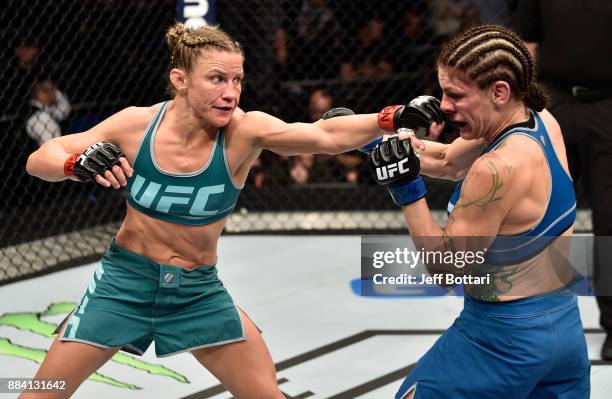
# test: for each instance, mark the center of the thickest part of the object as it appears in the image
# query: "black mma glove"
(394, 164)
(338, 111)
(417, 116)
(97, 159)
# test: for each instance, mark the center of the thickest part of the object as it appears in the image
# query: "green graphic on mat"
(31, 322)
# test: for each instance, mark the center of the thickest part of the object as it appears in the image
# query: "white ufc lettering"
(388, 172)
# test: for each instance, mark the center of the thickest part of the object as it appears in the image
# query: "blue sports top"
(561, 209)
(198, 198)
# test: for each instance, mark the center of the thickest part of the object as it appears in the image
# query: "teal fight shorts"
(132, 301)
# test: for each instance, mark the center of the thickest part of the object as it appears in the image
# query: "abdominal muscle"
(169, 243)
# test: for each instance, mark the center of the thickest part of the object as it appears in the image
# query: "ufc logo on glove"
(388, 171)
(396, 165)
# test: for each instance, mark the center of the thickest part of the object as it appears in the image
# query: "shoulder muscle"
(118, 129)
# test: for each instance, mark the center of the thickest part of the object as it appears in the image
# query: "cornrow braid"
(185, 44)
(488, 53)
(197, 42)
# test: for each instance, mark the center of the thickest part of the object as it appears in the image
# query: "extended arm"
(330, 136)
(449, 161)
(343, 133)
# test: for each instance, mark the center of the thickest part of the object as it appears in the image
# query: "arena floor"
(326, 341)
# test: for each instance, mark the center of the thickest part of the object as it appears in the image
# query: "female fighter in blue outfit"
(520, 335)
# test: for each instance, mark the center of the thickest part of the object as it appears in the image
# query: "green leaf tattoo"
(491, 195)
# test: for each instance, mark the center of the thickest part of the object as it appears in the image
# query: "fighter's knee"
(269, 391)
(260, 390)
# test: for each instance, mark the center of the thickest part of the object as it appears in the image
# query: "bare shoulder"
(510, 164)
(519, 149)
(523, 157)
(494, 166)
(552, 126)
(131, 119)
(124, 128)
(145, 112)
(556, 136)
(254, 124)
(257, 120)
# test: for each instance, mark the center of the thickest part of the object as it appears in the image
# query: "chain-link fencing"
(69, 64)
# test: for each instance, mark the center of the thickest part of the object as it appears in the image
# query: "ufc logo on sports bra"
(388, 171)
(168, 196)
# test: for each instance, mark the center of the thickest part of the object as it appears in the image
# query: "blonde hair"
(185, 43)
(488, 53)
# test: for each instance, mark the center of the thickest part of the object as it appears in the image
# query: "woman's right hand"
(103, 163)
(434, 131)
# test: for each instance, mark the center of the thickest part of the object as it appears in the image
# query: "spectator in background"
(367, 54)
(18, 77)
(281, 52)
(575, 67)
(470, 17)
(320, 101)
(453, 16)
(415, 50)
(305, 46)
(323, 168)
(257, 175)
(447, 16)
(27, 53)
(496, 12)
(342, 167)
(49, 107)
(301, 168)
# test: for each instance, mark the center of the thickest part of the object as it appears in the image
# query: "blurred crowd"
(339, 53)
(62, 77)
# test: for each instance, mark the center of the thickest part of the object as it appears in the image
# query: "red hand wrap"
(69, 164)
(385, 117)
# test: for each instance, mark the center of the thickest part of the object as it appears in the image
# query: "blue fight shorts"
(528, 348)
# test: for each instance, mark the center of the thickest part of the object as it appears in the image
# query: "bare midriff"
(169, 243)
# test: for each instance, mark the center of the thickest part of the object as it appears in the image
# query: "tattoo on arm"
(491, 195)
(500, 282)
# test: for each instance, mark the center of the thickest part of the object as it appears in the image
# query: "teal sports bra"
(198, 198)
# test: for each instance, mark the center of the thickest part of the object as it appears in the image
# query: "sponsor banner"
(196, 13)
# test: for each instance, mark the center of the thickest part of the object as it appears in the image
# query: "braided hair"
(185, 43)
(489, 53)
